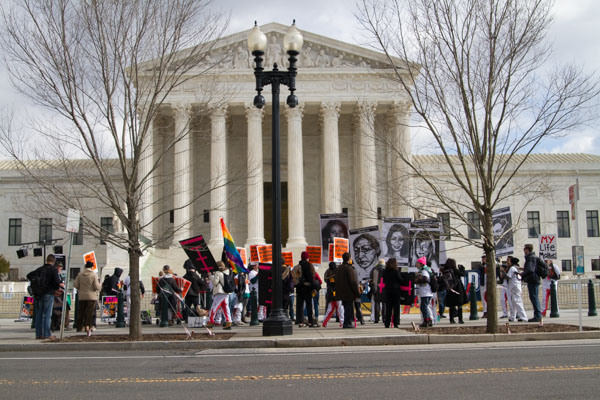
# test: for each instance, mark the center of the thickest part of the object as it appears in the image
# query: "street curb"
(283, 342)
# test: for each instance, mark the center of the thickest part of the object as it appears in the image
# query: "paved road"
(540, 370)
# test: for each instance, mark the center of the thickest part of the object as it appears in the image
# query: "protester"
(425, 293)
(346, 289)
(392, 283)
(456, 295)
(243, 293)
(377, 300)
(88, 287)
(305, 280)
(514, 287)
(167, 290)
(333, 305)
(57, 308)
(127, 286)
(44, 281)
(220, 297)
(192, 298)
(113, 283)
(553, 277)
(316, 294)
(287, 287)
(532, 279)
(502, 281)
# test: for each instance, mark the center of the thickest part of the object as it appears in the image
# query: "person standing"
(392, 282)
(514, 287)
(504, 293)
(483, 285)
(305, 278)
(552, 278)
(346, 288)
(127, 285)
(456, 294)
(44, 281)
(167, 289)
(192, 298)
(220, 297)
(377, 301)
(88, 287)
(332, 305)
(532, 279)
(425, 293)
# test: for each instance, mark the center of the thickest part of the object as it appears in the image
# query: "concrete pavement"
(18, 336)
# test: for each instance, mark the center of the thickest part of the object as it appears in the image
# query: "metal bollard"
(164, 310)
(253, 308)
(591, 300)
(553, 301)
(473, 315)
(120, 311)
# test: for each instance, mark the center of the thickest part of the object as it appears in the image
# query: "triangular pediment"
(318, 53)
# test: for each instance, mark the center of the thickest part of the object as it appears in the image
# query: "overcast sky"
(574, 35)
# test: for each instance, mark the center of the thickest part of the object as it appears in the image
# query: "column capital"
(181, 110)
(330, 109)
(218, 111)
(253, 111)
(400, 109)
(296, 112)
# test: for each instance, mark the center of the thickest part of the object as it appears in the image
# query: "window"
(562, 221)
(474, 225)
(445, 218)
(206, 216)
(78, 237)
(45, 230)
(591, 217)
(379, 213)
(106, 225)
(172, 216)
(596, 264)
(533, 224)
(566, 265)
(14, 231)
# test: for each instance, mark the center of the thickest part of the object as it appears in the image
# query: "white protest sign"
(73, 220)
(548, 247)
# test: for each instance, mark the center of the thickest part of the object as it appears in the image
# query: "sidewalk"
(18, 336)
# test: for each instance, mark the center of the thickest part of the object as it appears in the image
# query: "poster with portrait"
(395, 239)
(425, 242)
(365, 249)
(26, 313)
(332, 225)
(109, 309)
(502, 229)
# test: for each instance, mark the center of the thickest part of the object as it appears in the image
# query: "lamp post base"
(277, 325)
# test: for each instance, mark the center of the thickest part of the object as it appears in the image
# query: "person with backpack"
(532, 271)
(553, 276)
(456, 295)
(44, 282)
(222, 281)
(304, 287)
(424, 277)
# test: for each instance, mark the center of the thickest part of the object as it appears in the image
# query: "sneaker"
(533, 320)
(442, 316)
(227, 326)
(521, 320)
(511, 320)
(504, 316)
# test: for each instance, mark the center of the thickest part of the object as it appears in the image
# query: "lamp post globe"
(257, 41)
(293, 40)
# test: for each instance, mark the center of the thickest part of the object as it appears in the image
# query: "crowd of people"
(224, 298)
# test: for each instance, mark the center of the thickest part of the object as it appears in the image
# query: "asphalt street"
(548, 370)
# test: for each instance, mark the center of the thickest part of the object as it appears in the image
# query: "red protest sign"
(265, 253)
(155, 284)
(242, 251)
(330, 252)
(314, 254)
(254, 253)
(340, 246)
(288, 258)
(199, 254)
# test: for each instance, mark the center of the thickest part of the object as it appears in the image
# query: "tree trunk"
(490, 255)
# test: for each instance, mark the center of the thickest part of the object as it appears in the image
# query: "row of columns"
(365, 170)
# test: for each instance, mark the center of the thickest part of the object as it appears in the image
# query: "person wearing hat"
(425, 293)
(346, 289)
(88, 288)
(514, 287)
(377, 301)
(332, 305)
(305, 282)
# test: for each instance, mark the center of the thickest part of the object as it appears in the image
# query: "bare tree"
(104, 68)
(483, 92)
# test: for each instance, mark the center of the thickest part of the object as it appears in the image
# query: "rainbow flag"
(233, 256)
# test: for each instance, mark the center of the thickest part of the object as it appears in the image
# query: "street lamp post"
(277, 322)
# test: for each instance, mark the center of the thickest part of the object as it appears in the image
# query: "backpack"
(38, 279)
(228, 283)
(541, 268)
(433, 283)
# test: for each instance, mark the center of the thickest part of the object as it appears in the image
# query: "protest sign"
(265, 253)
(548, 247)
(199, 254)
(395, 239)
(314, 254)
(242, 251)
(109, 308)
(502, 230)
(91, 257)
(254, 253)
(365, 250)
(340, 246)
(332, 226)
(26, 308)
(288, 258)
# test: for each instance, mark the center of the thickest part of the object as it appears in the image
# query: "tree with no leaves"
(104, 68)
(482, 89)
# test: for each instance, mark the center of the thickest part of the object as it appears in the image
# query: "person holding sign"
(305, 281)
(88, 287)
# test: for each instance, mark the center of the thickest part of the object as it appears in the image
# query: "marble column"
(182, 171)
(367, 171)
(400, 190)
(256, 210)
(146, 175)
(218, 174)
(331, 200)
(297, 236)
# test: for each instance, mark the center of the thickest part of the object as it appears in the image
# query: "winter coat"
(375, 278)
(112, 287)
(392, 280)
(456, 295)
(329, 277)
(346, 284)
(529, 274)
(196, 283)
(306, 277)
(52, 278)
(218, 280)
(168, 284)
(87, 285)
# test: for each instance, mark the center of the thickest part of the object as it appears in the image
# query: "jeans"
(43, 315)
(291, 306)
(425, 309)
(441, 301)
(316, 304)
(535, 300)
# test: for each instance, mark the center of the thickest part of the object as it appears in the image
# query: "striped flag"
(233, 256)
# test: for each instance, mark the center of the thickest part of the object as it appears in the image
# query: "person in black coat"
(392, 281)
(456, 294)
(193, 295)
(168, 285)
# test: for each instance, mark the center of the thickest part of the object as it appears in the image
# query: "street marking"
(315, 376)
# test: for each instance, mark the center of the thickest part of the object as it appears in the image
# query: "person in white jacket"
(220, 298)
(504, 291)
(514, 286)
